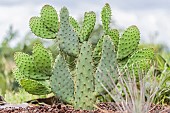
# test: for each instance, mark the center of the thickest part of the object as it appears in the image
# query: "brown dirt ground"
(61, 108)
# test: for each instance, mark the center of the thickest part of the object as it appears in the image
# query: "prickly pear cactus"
(106, 17)
(35, 69)
(61, 82)
(79, 84)
(49, 17)
(84, 83)
(107, 64)
(67, 37)
(47, 25)
(140, 60)
(128, 42)
(39, 29)
(81, 90)
(74, 24)
(35, 87)
(114, 35)
(87, 26)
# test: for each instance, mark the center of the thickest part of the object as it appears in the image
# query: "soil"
(44, 105)
(61, 108)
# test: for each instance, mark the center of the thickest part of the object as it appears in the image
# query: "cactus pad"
(42, 58)
(35, 87)
(18, 75)
(106, 17)
(68, 39)
(128, 42)
(139, 67)
(107, 64)
(74, 24)
(39, 29)
(88, 25)
(25, 64)
(114, 35)
(98, 49)
(141, 55)
(37, 66)
(84, 85)
(49, 17)
(61, 82)
(140, 60)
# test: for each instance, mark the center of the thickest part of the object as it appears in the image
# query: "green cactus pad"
(128, 42)
(39, 29)
(106, 17)
(67, 38)
(38, 66)
(114, 35)
(88, 25)
(139, 60)
(74, 24)
(141, 55)
(25, 64)
(61, 82)
(49, 17)
(18, 75)
(42, 58)
(122, 63)
(139, 67)
(107, 64)
(98, 49)
(35, 87)
(84, 84)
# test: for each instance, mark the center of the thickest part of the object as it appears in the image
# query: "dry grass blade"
(132, 94)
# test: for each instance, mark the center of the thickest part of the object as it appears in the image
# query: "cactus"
(78, 84)
(39, 29)
(87, 27)
(68, 39)
(82, 89)
(74, 24)
(34, 69)
(47, 25)
(128, 42)
(61, 82)
(114, 34)
(35, 87)
(140, 60)
(84, 83)
(107, 64)
(106, 17)
(50, 18)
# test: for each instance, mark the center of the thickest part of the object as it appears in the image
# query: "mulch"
(61, 108)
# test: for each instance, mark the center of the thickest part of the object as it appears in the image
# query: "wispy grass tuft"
(132, 93)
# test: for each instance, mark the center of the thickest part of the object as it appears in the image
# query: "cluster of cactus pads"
(33, 71)
(80, 85)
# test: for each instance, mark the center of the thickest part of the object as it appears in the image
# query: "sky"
(151, 16)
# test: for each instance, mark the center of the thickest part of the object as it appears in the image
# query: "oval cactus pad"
(128, 42)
